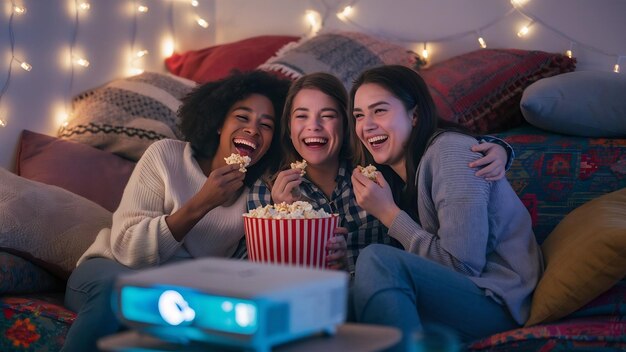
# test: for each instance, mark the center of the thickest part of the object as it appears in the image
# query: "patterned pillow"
(18, 275)
(343, 54)
(125, 116)
(482, 89)
(553, 174)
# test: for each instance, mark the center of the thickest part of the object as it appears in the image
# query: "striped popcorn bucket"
(300, 242)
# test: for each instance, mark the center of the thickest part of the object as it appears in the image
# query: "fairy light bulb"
(194, 3)
(616, 68)
(202, 22)
(20, 10)
(345, 13)
(81, 61)
(482, 43)
(142, 8)
(524, 31)
(314, 19)
(3, 122)
(84, 6)
(141, 53)
(569, 53)
(425, 52)
(26, 66)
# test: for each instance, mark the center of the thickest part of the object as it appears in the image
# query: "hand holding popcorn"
(243, 161)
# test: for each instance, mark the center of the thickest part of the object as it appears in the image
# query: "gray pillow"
(47, 224)
(581, 103)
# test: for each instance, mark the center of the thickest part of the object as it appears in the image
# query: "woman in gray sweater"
(471, 261)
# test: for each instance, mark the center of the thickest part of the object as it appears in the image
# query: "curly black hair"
(205, 109)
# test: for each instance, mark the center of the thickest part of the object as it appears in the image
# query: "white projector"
(232, 302)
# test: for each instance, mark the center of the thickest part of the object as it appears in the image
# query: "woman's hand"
(494, 161)
(337, 248)
(286, 186)
(221, 185)
(375, 197)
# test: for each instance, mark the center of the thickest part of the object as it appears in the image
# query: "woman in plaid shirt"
(314, 127)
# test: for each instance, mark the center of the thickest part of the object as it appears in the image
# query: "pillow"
(89, 172)
(18, 275)
(126, 115)
(481, 90)
(584, 257)
(211, 64)
(343, 54)
(46, 224)
(583, 103)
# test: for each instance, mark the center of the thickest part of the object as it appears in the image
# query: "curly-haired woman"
(182, 201)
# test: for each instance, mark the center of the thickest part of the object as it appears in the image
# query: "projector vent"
(277, 319)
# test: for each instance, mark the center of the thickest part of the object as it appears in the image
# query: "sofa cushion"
(584, 257)
(213, 63)
(46, 224)
(79, 168)
(554, 174)
(481, 90)
(33, 322)
(18, 275)
(343, 54)
(126, 115)
(582, 103)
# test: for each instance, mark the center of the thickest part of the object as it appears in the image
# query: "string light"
(142, 8)
(202, 22)
(81, 61)
(194, 3)
(524, 30)
(315, 20)
(141, 53)
(481, 40)
(20, 10)
(425, 52)
(516, 7)
(84, 6)
(569, 53)
(345, 13)
(616, 67)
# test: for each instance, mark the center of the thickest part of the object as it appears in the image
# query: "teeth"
(376, 139)
(246, 142)
(315, 140)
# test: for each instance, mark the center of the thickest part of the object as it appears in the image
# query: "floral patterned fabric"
(553, 174)
(33, 323)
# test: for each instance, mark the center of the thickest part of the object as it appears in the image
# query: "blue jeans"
(396, 288)
(88, 293)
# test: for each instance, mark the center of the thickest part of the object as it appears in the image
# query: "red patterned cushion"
(218, 61)
(482, 89)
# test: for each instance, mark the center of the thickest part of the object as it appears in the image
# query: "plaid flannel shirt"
(363, 229)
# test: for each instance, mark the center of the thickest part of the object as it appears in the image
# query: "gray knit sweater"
(164, 179)
(476, 227)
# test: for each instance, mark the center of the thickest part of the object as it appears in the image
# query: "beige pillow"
(585, 255)
(47, 224)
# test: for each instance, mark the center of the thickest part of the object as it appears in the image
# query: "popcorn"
(369, 171)
(300, 165)
(243, 161)
(295, 210)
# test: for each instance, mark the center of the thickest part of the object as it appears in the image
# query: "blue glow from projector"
(176, 306)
